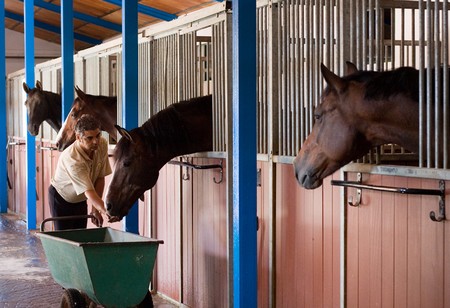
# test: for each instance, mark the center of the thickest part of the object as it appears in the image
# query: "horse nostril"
(108, 206)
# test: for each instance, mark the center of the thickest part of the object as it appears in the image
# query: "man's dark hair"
(86, 122)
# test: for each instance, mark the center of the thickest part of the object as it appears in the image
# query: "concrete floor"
(25, 280)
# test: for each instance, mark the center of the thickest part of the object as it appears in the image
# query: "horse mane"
(102, 98)
(404, 80)
(167, 125)
(170, 121)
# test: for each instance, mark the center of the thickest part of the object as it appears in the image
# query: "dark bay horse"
(104, 108)
(181, 128)
(357, 112)
(42, 106)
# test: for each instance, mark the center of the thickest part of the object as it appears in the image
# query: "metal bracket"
(358, 192)
(411, 191)
(200, 167)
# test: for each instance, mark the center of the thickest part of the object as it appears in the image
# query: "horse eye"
(73, 115)
(127, 163)
(317, 116)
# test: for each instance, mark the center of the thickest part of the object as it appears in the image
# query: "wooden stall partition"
(264, 215)
(167, 206)
(48, 158)
(20, 183)
(307, 243)
(11, 176)
(205, 259)
(188, 291)
(39, 183)
(396, 255)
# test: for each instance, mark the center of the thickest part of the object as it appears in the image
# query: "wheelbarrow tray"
(112, 267)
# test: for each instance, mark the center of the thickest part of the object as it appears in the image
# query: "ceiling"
(95, 20)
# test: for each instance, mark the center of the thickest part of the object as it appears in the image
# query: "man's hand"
(98, 220)
(113, 218)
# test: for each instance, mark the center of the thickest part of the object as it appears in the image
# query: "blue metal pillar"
(30, 140)
(3, 137)
(244, 154)
(130, 86)
(67, 56)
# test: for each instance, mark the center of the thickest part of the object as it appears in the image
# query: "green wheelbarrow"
(101, 266)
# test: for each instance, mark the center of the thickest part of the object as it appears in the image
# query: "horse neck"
(54, 102)
(106, 112)
(397, 123)
(189, 131)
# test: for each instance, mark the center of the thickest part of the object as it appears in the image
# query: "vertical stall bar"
(428, 99)
(3, 137)
(67, 56)
(445, 92)
(130, 86)
(437, 87)
(244, 154)
(422, 96)
(30, 140)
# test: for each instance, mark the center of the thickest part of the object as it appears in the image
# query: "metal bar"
(3, 113)
(437, 89)
(30, 140)
(244, 154)
(422, 96)
(445, 92)
(130, 86)
(410, 191)
(81, 16)
(67, 48)
(428, 99)
(195, 166)
(51, 28)
(48, 148)
(401, 190)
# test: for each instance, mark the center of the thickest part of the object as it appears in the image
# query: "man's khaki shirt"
(76, 172)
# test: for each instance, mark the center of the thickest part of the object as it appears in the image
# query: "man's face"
(90, 140)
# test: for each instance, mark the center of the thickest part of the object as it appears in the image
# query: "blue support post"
(3, 136)
(67, 56)
(244, 154)
(30, 140)
(130, 86)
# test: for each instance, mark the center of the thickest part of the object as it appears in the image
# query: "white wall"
(44, 51)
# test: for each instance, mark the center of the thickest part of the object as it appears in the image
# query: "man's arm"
(98, 206)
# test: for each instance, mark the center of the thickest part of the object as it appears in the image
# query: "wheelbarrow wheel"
(147, 302)
(72, 298)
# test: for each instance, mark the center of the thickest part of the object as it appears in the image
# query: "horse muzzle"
(307, 178)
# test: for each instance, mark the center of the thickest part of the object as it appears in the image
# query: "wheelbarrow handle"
(64, 218)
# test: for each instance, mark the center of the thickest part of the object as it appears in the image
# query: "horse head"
(335, 139)
(38, 109)
(66, 136)
(102, 107)
(136, 169)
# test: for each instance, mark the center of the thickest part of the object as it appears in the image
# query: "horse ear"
(38, 85)
(351, 68)
(26, 88)
(80, 93)
(332, 79)
(123, 132)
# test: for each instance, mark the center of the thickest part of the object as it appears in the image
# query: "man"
(80, 176)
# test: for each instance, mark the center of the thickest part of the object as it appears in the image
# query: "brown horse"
(181, 128)
(42, 106)
(357, 112)
(104, 108)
